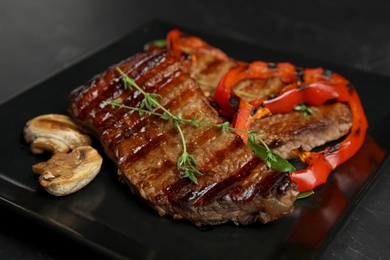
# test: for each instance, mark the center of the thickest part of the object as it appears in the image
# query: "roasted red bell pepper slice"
(320, 164)
(314, 88)
(181, 43)
(224, 94)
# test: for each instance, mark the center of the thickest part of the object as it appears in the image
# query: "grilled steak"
(235, 185)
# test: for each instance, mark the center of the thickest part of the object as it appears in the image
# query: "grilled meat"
(204, 62)
(235, 185)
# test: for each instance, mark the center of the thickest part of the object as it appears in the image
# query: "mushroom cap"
(66, 173)
(54, 133)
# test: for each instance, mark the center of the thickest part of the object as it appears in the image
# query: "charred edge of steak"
(245, 202)
(235, 185)
(184, 193)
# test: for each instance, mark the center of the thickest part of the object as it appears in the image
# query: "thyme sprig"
(186, 163)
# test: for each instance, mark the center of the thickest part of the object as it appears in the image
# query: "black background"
(38, 38)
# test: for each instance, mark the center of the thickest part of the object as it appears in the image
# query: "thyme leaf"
(305, 194)
(158, 43)
(305, 110)
(187, 163)
(271, 159)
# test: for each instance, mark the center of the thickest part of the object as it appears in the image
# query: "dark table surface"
(41, 37)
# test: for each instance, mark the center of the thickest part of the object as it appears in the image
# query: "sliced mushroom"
(54, 133)
(66, 173)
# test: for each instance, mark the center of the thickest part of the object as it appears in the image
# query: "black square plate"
(108, 219)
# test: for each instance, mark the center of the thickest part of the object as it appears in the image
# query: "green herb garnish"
(158, 43)
(305, 194)
(305, 110)
(271, 159)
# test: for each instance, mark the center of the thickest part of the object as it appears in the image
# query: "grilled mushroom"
(54, 133)
(66, 173)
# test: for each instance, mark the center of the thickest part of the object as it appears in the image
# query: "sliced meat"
(235, 185)
(285, 132)
(204, 62)
(207, 70)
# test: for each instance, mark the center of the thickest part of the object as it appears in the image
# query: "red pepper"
(320, 164)
(224, 94)
(180, 43)
(315, 88)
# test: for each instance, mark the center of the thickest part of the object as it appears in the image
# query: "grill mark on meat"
(102, 114)
(127, 122)
(144, 143)
(218, 181)
(87, 96)
(149, 68)
(211, 66)
(208, 70)
(220, 189)
(173, 101)
(156, 123)
(131, 119)
(270, 181)
(139, 73)
(112, 85)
